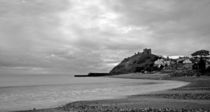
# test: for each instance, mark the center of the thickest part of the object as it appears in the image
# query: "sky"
(81, 36)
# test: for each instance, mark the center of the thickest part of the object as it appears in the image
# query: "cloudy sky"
(79, 36)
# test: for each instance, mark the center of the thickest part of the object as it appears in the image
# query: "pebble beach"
(193, 97)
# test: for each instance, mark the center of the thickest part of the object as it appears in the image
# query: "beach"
(190, 97)
(44, 91)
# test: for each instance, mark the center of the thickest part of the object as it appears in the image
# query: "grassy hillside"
(136, 63)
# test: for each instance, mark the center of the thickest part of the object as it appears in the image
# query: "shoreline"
(172, 99)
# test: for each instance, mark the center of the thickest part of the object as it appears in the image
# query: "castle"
(147, 51)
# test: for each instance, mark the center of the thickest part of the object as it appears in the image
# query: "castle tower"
(147, 51)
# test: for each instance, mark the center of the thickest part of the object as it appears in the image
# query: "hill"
(137, 63)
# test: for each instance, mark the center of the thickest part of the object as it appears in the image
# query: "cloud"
(79, 36)
(177, 24)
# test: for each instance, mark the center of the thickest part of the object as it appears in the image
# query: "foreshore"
(190, 98)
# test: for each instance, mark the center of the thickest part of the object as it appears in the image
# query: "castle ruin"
(147, 51)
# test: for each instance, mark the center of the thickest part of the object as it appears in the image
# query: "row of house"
(186, 63)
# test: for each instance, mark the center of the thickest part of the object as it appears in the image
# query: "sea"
(24, 92)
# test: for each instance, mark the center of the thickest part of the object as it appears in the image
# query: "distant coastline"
(93, 75)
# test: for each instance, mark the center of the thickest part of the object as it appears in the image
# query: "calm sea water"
(42, 91)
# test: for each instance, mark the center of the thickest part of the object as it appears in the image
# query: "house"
(187, 64)
(187, 61)
(158, 63)
(162, 62)
(207, 63)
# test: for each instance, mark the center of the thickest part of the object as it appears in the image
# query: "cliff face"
(136, 63)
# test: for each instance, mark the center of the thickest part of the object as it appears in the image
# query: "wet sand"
(189, 98)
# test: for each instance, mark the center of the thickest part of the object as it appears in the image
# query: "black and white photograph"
(104, 56)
